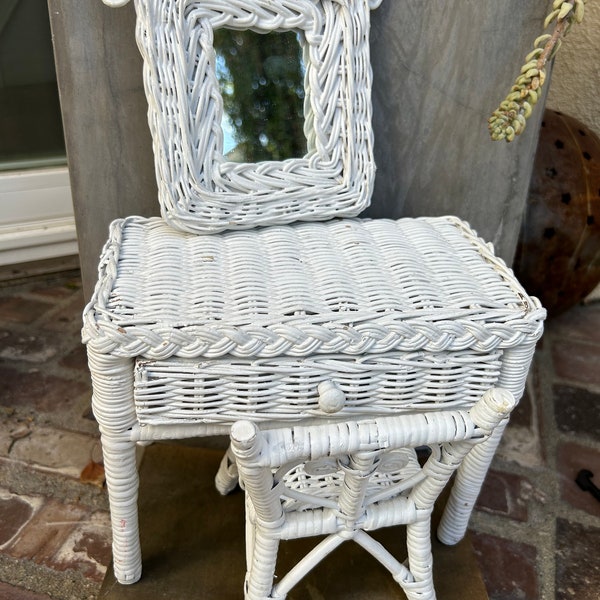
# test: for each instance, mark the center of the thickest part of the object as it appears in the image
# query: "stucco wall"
(575, 83)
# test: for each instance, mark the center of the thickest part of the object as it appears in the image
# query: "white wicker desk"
(271, 320)
(186, 334)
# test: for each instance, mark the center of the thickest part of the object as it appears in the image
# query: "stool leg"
(466, 488)
(259, 579)
(227, 476)
(420, 561)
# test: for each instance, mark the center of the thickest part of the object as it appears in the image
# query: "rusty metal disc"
(558, 256)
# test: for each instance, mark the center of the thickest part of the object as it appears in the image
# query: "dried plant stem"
(510, 118)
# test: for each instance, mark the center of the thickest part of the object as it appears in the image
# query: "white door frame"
(36, 215)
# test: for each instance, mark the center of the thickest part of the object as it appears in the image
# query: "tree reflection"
(262, 83)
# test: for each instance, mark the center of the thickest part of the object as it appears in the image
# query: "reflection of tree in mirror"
(262, 83)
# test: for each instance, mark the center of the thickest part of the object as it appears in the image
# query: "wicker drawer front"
(223, 391)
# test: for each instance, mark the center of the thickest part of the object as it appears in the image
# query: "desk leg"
(470, 475)
(466, 488)
(112, 402)
(122, 484)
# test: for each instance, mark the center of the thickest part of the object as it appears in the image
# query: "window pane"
(30, 121)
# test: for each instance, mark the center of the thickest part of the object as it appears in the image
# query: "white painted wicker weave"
(187, 334)
(343, 480)
(304, 323)
(344, 286)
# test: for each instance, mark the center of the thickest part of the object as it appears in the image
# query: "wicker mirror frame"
(199, 189)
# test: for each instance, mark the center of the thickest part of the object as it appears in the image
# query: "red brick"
(89, 552)
(504, 494)
(21, 310)
(580, 322)
(46, 532)
(10, 592)
(64, 537)
(76, 359)
(87, 549)
(571, 458)
(576, 410)
(508, 568)
(69, 316)
(96, 546)
(577, 565)
(577, 361)
(59, 291)
(30, 348)
(14, 513)
(38, 390)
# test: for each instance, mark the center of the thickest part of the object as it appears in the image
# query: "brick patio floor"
(536, 534)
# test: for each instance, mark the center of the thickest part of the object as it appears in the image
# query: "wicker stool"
(201, 318)
(341, 480)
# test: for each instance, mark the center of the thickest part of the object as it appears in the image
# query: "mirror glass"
(261, 77)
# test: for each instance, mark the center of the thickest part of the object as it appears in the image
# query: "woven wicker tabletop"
(346, 286)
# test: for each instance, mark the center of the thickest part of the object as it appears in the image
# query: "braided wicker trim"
(199, 190)
(347, 286)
